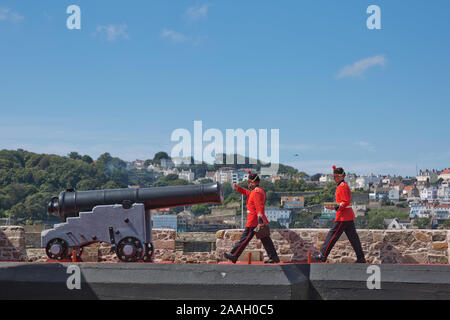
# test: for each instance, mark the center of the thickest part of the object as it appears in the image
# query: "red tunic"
(344, 196)
(255, 204)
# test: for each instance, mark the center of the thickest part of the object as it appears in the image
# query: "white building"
(396, 224)
(283, 216)
(429, 194)
(326, 178)
(166, 172)
(442, 211)
(420, 210)
(230, 176)
(165, 222)
(189, 176)
(427, 176)
(394, 194)
(223, 176)
(443, 192)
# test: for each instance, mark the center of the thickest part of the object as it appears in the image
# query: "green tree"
(376, 222)
(446, 224)
(422, 223)
(159, 156)
(74, 155)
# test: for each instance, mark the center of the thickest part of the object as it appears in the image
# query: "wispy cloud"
(174, 36)
(366, 146)
(197, 12)
(9, 15)
(112, 33)
(358, 68)
(178, 37)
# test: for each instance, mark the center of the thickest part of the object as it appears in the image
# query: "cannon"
(120, 217)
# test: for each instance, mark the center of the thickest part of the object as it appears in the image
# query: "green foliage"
(159, 156)
(170, 180)
(201, 209)
(326, 194)
(302, 220)
(422, 223)
(375, 217)
(275, 225)
(446, 224)
(401, 205)
(29, 180)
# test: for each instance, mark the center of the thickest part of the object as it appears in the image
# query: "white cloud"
(111, 33)
(173, 36)
(7, 14)
(197, 12)
(358, 68)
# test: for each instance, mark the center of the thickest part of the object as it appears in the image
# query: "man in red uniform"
(256, 197)
(344, 221)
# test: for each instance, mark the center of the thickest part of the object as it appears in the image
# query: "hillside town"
(425, 197)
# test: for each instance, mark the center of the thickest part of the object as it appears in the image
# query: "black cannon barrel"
(70, 203)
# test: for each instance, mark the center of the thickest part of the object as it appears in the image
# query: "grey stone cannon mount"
(120, 217)
(129, 230)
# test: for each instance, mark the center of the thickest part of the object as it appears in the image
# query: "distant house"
(138, 164)
(420, 210)
(328, 213)
(445, 175)
(293, 202)
(189, 176)
(427, 176)
(394, 194)
(230, 175)
(443, 192)
(165, 222)
(396, 224)
(411, 191)
(326, 178)
(381, 194)
(283, 216)
(442, 211)
(429, 193)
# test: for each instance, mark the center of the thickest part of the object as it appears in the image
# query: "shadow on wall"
(299, 244)
(12, 243)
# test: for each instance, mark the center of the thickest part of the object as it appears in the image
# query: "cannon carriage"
(120, 217)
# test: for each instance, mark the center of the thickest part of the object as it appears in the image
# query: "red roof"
(446, 171)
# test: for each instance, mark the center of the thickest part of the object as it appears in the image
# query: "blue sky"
(368, 100)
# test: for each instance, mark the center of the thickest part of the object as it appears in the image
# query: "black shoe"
(360, 261)
(271, 261)
(230, 257)
(319, 257)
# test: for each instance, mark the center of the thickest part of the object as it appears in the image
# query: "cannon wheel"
(130, 249)
(149, 250)
(57, 249)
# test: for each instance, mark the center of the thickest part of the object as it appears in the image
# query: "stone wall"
(12, 243)
(380, 246)
(163, 240)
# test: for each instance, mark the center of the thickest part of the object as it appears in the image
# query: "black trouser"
(246, 237)
(336, 231)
